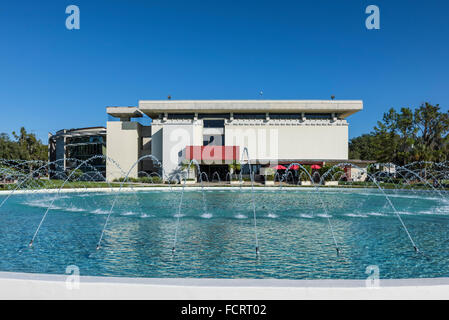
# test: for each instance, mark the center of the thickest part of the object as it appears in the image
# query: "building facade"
(73, 146)
(217, 133)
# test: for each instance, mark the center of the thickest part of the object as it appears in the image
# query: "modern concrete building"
(219, 132)
(80, 144)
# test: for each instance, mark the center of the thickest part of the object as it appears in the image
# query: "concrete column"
(122, 145)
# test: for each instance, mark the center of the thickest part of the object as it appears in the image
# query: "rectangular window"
(213, 140)
(250, 116)
(283, 116)
(318, 116)
(213, 116)
(180, 116)
(207, 123)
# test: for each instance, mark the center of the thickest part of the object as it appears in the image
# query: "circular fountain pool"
(216, 233)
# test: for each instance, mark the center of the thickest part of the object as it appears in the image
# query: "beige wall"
(301, 142)
(198, 133)
(265, 140)
(156, 140)
(169, 139)
(122, 145)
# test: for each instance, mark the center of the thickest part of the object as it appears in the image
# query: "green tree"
(386, 141)
(433, 126)
(406, 136)
(406, 130)
(362, 147)
(24, 146)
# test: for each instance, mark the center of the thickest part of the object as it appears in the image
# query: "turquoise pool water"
(216, 236)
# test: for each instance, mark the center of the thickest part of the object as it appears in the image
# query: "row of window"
(247, 116)
(85, 151)
(85, 139)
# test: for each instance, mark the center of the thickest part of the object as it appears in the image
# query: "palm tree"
(187, 165)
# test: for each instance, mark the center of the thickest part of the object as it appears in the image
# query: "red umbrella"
(315, 166)
(280, 167)
(294, 167)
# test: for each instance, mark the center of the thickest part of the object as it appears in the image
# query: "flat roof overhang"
(124, 112)
(345, 108)
(79, 132)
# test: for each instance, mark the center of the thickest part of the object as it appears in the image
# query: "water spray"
(59, 192)
(415, 248)
(121, 186)
(252, 198)
(321, 200)
(175, 238)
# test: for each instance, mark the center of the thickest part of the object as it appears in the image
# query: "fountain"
(178, 216)
(215, 174)
(121, 186)
(248, 161)
(294, 224)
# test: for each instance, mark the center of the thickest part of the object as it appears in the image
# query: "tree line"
(23, 146)
(406, 136)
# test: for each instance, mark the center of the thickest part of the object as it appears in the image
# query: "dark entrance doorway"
(210, 170)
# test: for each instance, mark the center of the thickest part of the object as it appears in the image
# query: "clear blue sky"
(53, 78)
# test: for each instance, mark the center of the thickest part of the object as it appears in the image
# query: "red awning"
(279, 167)
(212, 153)
(294, 167)
(315, 166)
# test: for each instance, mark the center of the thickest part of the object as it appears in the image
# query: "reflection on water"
(294, 237)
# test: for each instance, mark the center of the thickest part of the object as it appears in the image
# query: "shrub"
(75, 174)
(329, 176)
(235, 167)
(303, 174)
